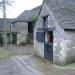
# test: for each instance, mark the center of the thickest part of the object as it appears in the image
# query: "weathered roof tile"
(63, 11)
(28, 14)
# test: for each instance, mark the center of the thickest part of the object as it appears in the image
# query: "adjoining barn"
(54, 33)
(24, 24)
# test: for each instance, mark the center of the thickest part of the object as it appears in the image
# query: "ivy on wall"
(34, 19)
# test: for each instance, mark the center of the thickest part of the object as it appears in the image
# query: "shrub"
(29, 39)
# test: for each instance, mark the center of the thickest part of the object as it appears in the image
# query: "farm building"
(24, 23)
(54, 32)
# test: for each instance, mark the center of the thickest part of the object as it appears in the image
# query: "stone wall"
(39, 47)
(65, 50)
(70, 47)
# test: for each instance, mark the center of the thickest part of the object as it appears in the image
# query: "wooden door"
(48, 46)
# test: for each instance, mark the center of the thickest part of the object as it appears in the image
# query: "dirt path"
(8, 67)
(30, 65)
(26, 67)
(23, 62)
(21, 50)
(36, 66)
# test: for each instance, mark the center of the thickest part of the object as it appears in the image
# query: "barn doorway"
(1, 40)
(48, 50)
(14, 38)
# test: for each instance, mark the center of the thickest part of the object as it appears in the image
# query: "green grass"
(71, 65)
(4, 53)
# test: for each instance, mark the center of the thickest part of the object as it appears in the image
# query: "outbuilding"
(54, 32)
(24, 23)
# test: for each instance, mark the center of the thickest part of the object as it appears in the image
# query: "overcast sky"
(19, 6)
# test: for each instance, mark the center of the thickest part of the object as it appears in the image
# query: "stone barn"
(23, 24)
(54, 32)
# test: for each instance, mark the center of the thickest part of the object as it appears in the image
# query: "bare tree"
(3, 5)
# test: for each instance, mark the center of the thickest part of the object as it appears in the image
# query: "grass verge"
(71, 65)
(4, 53)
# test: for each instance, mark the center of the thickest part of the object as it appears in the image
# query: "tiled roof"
(63, 11)
(28, 14)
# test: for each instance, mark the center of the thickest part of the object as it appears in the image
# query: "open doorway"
(14, 38)
(48, 51)
(1, 40)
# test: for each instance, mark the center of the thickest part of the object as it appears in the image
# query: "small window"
(45, 21)
(40, 36)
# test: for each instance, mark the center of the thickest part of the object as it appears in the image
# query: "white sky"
(19, 6)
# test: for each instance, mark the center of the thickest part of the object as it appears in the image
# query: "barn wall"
(39, 47)
(51, 23)
(70, 47)
(22, 29)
